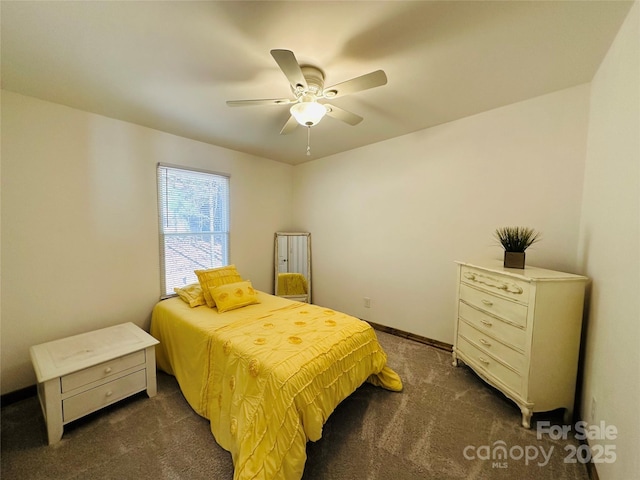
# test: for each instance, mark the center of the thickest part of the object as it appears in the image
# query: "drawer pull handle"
(487, 302)
(483, 360)
(485, 322)
(484, 342)
(107, 370)
(109, 393)
(494, 283)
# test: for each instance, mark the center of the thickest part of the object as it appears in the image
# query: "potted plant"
(515, 240)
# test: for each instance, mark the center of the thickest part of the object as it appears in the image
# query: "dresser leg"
(526, 417)
(568, 416)
(455, 360)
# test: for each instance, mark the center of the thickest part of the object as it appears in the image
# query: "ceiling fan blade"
(364, 82)
(265, 101)
(290, 126)
(340, 114)
(287, 62)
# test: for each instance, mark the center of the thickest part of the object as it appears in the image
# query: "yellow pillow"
(214, 277)
(234, 295)
(192, 294)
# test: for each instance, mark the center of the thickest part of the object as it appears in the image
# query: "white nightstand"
(83, 373)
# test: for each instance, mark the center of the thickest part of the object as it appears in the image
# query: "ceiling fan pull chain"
(309, 141)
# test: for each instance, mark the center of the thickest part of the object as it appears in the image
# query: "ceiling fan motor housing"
(315, 81)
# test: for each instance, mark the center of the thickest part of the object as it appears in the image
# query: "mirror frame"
(301, 298)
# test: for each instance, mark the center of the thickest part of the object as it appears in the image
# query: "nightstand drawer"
(103, 370)
(487, 365)
(96, 398)
(504, 353)
(512, 312)
(504, 332)
(503, 285)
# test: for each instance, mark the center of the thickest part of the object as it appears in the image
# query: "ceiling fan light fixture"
(308, 114)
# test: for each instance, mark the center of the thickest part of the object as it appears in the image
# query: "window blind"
(193, 210)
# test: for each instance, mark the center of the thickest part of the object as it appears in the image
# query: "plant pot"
(513, 259)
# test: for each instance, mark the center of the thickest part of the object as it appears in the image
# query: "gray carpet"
(420, 433)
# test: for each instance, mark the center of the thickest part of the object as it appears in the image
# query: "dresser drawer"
(95, 398)
(504, 353)
(510, 311)
(487, 365)
(497, 284)
(103, 370)
(492, 326)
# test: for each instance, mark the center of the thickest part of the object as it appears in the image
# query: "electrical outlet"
(592, 414)
(367, 302)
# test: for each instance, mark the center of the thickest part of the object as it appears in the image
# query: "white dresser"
(81, 374)
(519, 330)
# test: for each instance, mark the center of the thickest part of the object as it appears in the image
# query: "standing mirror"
(293, 266)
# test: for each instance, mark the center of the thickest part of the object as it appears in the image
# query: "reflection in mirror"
(292, 263)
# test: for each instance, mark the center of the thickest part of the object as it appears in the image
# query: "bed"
(267, 375)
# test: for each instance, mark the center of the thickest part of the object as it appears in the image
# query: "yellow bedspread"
(267, 376)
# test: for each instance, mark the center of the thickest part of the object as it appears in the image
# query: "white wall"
(79, 222)
(608, 250)
(389, 220)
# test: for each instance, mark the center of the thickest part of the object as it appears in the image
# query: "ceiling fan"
(307, 85)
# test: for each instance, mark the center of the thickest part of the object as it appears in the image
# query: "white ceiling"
(172, 65)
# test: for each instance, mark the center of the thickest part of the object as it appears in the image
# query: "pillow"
(192, 294)
(234, 295)
(214, 277)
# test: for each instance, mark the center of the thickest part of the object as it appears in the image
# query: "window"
(194, 224)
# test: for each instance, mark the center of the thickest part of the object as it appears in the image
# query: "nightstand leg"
(152, 386)
(54, 432)
(51, 402)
